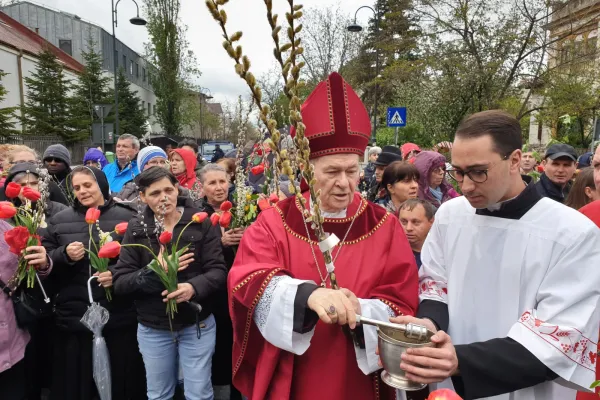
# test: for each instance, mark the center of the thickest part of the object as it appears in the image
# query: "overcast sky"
(204, 34)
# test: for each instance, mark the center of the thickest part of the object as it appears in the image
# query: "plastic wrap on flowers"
(94, 319)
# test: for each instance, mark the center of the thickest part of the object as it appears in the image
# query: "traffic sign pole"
(396, 137)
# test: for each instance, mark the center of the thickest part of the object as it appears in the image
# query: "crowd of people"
(477, 248)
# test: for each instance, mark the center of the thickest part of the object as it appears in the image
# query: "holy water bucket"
(393, 341)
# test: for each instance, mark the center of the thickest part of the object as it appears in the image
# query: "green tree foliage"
(46, 111)
(132, 117)
(7, 114)
(169, 52)
(395, 44)
(91, 88)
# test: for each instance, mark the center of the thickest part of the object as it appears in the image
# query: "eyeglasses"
(476, 175)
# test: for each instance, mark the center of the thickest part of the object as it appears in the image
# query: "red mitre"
(336, 119)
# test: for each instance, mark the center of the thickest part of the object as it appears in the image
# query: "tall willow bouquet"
(287, 56)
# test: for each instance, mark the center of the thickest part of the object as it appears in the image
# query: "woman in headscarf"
(183, 166)
(95, 158)
(433, 186)
(28, 174)
(66, 239)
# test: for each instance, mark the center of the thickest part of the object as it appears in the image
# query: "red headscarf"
(188, 178)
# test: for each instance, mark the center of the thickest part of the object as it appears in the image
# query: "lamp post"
(355, 27)
(137, 20)
(203, 97)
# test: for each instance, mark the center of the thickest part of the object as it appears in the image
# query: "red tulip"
(31, 194)
(17, 239)
(444, 394)
(225, 219)
(214, 219)
(92, 215)
(199, 217)
(165, 237)
(121, 228)
(540, 168)
(264, 204)
(226, 206)
(259, 169)
(7, 209)
(273, 198)
(110, 250)
(12, 190)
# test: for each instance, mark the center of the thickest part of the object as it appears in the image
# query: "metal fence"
(41, 143)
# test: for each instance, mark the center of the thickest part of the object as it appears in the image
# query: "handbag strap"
(5, 288)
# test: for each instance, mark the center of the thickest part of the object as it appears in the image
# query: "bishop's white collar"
(326, 214)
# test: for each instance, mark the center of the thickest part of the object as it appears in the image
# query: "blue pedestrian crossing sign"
(396, 117)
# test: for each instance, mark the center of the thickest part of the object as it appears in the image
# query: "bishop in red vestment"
(279, 285)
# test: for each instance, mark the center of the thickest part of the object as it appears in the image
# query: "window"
(154, 109)
(137, 70)
(149, 108)
(124, 61)
(130, 67)
(143, 105)
(66, 46)
(144, 74)
(149, 78)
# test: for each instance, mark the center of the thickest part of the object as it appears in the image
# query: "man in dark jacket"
(218, 154)
(57, 159)
(559, 167)
(389, 154)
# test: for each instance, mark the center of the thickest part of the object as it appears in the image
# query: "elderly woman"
(433, 186)
(214, 179)
(14, 339)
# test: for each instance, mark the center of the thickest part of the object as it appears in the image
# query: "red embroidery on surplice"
(569, 341)
(433, 290)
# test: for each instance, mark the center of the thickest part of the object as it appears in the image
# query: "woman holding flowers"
(69, 245)
(13, 339)
(186, 336)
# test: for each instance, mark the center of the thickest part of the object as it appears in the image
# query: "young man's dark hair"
(189, 143)
(503, 128)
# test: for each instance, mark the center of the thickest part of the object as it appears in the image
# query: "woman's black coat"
(207, 274)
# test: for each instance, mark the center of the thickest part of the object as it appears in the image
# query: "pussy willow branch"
(292, 84)
(242, 68)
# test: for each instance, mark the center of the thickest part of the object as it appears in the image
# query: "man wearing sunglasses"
(57, 159)
(509, 280)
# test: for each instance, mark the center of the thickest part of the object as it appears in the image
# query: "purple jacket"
(426, 162)
(12, 339)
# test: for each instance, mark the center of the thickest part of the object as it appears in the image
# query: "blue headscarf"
(96, 156)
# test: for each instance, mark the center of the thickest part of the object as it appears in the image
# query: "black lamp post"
(355, 27)
(137, 20)
(203, 97)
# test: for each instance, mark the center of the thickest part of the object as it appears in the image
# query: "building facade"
(19, 49)
(573, 46)
(71, 34)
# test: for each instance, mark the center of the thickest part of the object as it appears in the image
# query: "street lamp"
(137, 20)
(355, 27)
(203, 97)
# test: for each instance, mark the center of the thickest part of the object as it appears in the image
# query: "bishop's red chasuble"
(375, 262)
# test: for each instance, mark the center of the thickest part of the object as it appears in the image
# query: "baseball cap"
(559, 150)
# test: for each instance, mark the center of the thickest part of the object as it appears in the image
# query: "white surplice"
(535, 280)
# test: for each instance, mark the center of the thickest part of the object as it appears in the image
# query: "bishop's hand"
(334, 306)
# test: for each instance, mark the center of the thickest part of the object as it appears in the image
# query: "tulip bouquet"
(27, 221)
(92, 217)
(165, 264)
(444, 394)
